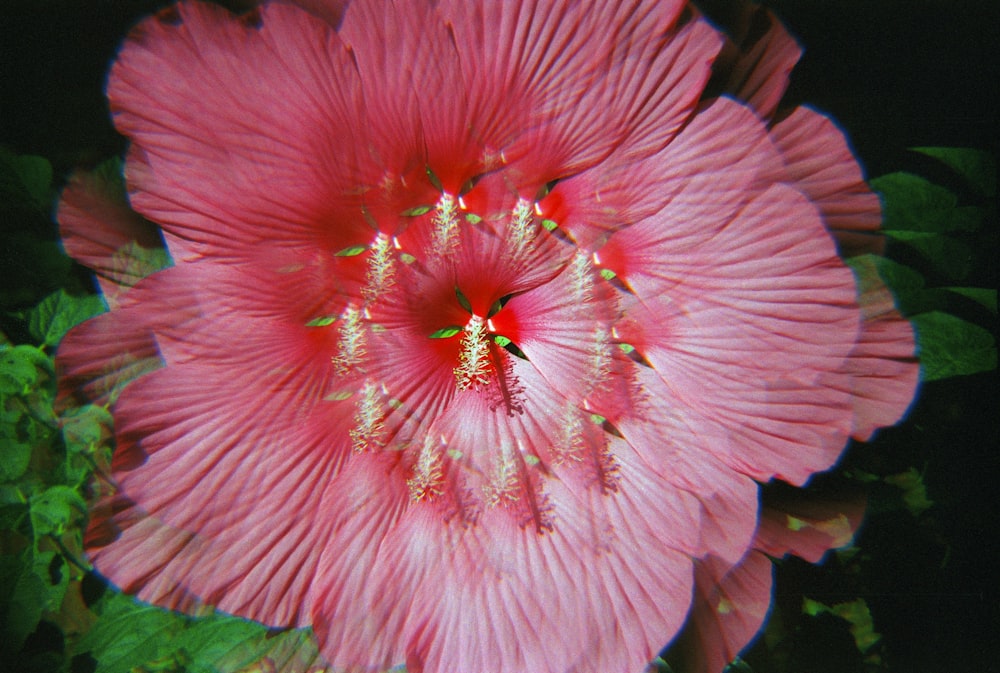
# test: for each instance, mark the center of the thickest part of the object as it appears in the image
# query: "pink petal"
(884, 367)
(420, 116)
(818, 158)
(100, 231)
(261, 114)
(765, 56)
(661, 62)
(497, 596)
(564, 328)
(331, 11)
(684, 453)
(225, 475)
(749, 291)
(99, 357)
(580, 81)
(794, 522)
(730, 605)
(705, 173)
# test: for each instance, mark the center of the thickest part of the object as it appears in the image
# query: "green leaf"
(21, 368)
(977, 167)
(351, 251)
(31, 269)
(129, 634)
(322, 321)
(416, 211)
(85, 427)
(913, 203)
(28, 596)
(445, 332)
(59, 312)
(15, 456)
(914, 492)
(949, 346)
(13, 507)
(56, 509)
(855, 613)
(947, 256)
(987, 298)
(25, 177)
(908, 286)
(134, 260)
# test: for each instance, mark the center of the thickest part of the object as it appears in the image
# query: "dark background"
(895, 74)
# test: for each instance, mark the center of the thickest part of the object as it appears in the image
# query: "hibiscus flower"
(485, 322)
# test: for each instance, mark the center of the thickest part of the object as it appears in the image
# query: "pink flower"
(485, 322)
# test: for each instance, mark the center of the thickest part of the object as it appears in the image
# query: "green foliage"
(950, 346)
(35, 513)
(855, 613)
(130, 636)
(913, 490)
(945, 238)
(49, 321)
(978, 168)
(46, 463)
(31, 261)
(25, 181)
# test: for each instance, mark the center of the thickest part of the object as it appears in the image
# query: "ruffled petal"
(100, 231)
(757, 70)
(818, 159)
(749, 292)
(884, 368)
(793, 522)
(240, 136)
(706, 172)
(730, 605)
(223, 477)
(490, 595)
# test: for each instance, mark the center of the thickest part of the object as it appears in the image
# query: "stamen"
(368, 432)
(502, 488)
(428, 473)
(381, 273)
(570, 446)
(445, 225)
(351, 345)
(475, 364)
(522, 227)
(581, 270)
(598, 357)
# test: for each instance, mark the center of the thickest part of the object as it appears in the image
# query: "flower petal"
(730, 605)
(99, 357)
(758, 70)
(100, 231)
(792, 522)
(749, 292)
(819, 160)
(706, 172)
(492, 595)
(225, 477)
(239, 137)
(884, 368)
